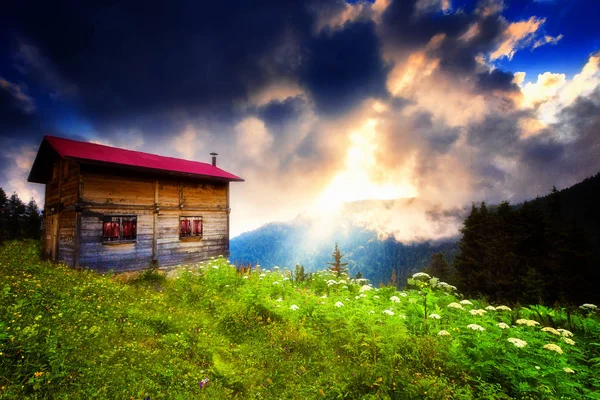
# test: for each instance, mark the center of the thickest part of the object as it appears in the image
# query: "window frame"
(192, 235)
(120, 218)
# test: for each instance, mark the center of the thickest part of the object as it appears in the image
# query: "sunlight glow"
(356, 181)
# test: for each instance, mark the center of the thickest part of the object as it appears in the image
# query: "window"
(190, 227)
(122, 228)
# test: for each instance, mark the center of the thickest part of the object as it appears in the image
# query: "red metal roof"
(99, 153)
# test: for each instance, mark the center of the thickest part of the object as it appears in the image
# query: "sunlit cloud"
(517, 36)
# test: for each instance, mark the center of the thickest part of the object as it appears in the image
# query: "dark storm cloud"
(277, 114)
(344, 66)
(465, 36)
(495, 134)
(407, 28)
(496, 80)
(143, 57)
(567, 151)
(16, 107)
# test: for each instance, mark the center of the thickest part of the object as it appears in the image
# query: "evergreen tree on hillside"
(438, 267)
(15, 217)
(337, 265)
(3, 216)
(468, 261)
(33, 220)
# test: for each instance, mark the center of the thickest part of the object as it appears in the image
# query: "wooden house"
(109, 208)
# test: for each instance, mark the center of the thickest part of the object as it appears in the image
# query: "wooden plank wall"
(116, 256)
(105, 194)
(61, 194)
(66, 237)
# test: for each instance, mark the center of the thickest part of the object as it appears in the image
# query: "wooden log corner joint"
(104, 213)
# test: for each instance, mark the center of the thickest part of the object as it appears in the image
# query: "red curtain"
(129, 230)
(111, 230)
(185, 229)
(197, 227)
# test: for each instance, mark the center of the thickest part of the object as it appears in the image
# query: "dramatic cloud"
(408, 108)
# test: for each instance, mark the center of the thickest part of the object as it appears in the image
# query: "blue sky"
(316, 103)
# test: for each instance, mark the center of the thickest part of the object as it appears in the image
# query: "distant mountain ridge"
(309, 241)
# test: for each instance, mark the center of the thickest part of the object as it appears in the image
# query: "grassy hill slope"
(206, 331)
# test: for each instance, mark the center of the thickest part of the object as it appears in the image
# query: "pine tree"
(16, 217)
(337, 265)
(33, 220)
(438, 267)
(3, 216)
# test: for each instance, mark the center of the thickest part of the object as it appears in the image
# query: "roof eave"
(156, 170)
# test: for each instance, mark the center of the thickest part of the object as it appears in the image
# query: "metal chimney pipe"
(214, 159)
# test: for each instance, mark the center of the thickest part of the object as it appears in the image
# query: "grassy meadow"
(207, 331)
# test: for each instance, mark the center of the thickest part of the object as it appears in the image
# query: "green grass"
(70, 334)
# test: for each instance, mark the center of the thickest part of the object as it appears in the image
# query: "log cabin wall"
(158, 204)
(62, 192)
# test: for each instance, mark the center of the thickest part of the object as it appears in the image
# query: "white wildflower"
(565, 332)
(276, 283)
(215, 266)
(443, 333)
(262, 275)
(502, 325)
(568, 370)
(455, 305)
(324, 296)
(553, 347)
(402, 294)
(503, 308)
(568, 341)
(588, 306)
(345, 287)
(477, 312)
(395, 299)
(286, 279)
(342, 282)
(528, 322)
(517, 342)
(537, 367)
(339, 304)
(375, 297)
(490, 308)
(276, 267)
(245, 277)
(279, 299)
(388, 312)
(294, 307)
(371, 312)
(551, 330)
(421, 275)
(365, 288)
(434, 316)
(466, 302)
(476, 327)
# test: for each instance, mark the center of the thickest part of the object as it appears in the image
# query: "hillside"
(288, 244)
(206, 331)
(308, 240)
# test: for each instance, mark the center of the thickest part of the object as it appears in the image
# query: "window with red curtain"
(190, 227)
(119, 228)
(197, 227)
(185, 227)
